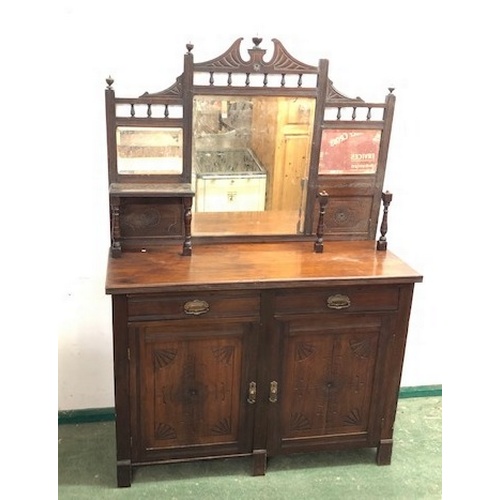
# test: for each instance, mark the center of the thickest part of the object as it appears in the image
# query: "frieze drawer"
(338, 299)
(193, 305)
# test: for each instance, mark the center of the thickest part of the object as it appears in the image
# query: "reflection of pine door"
(293, 149)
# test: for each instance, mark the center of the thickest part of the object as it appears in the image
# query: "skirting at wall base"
(108, 414)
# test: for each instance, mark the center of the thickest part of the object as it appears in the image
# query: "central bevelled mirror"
(251, 162)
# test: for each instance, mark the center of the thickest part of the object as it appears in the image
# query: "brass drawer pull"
(273, 392)
(196, 307)
(252, 393)
(338, 301)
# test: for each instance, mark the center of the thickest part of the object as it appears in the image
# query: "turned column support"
(116, 246)
(382, 242)
(323, 200)
(187, 247)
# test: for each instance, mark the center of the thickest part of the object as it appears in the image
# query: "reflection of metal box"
(229, 181)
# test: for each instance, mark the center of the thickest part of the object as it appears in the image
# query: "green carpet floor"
(87, 468)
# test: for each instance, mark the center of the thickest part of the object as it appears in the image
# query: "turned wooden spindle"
(382, 242)
(187, 247)
(323, 200)
(116, 247)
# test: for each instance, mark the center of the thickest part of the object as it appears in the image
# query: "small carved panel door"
(190, 386)
(331, 367)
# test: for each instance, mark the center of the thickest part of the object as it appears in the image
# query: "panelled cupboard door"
(327, 382)
(189, 384)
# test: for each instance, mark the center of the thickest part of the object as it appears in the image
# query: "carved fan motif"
(361, 348)
(333, 94)
(175, 90)
(283, 61)
(163, 357)
(165, 431)
(304, 351)
(223, 354)
(353, 417)
(299, 422)
(223, 427)
(231, 58)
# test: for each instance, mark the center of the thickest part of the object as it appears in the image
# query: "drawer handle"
(338, 301)
(252, 393)
(273, 392)
(196, 307)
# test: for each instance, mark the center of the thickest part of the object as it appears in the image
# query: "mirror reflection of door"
(251, 163)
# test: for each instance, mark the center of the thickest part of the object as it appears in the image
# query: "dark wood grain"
(257, 266)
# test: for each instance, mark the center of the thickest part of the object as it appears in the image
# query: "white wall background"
(442, 165)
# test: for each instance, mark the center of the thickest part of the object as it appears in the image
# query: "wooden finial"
(256, 41)
(110, 82)
(189, 47)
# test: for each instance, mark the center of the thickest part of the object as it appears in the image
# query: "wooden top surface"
(255, 265)
(153, 190)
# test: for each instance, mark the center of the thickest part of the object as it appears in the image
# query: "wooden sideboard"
(256, 349)
(254, 312)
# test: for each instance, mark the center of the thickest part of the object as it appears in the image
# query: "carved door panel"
(330, 371)
(189, 386)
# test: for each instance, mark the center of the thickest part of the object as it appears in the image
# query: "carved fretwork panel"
(151, 218)
(328, 377)
(348, 217)
(353, 206)
(189, 383)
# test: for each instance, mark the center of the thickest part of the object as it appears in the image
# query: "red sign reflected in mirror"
(349, 151)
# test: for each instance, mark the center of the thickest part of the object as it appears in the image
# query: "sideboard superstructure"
(307, 136)
(254, 312)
